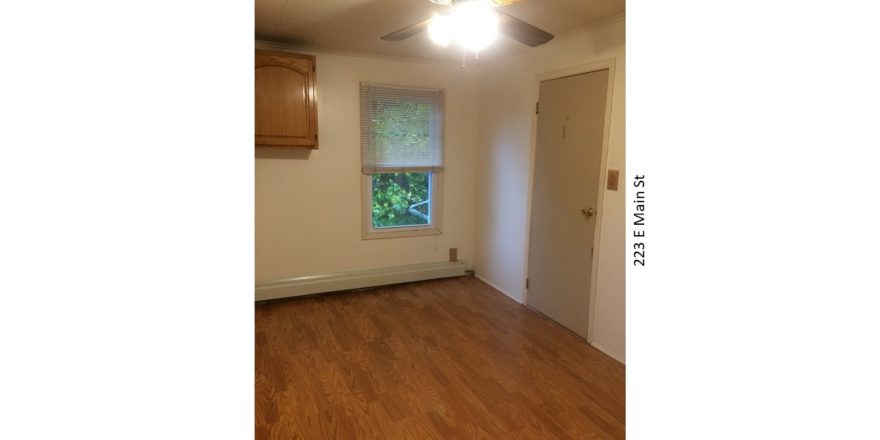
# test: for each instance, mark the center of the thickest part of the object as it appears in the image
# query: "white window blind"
(401, 129)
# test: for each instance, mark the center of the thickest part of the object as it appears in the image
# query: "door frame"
(608, 64)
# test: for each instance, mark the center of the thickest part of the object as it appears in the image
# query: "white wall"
(507, 100)
(308, 204)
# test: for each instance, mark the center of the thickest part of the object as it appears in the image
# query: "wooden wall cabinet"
(285, 102)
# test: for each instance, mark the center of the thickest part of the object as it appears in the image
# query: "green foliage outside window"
(394, 193)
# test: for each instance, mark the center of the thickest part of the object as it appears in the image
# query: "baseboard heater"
(357, 279)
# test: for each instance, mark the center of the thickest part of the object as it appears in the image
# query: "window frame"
(435, 227)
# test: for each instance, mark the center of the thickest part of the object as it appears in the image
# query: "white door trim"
(603, 171)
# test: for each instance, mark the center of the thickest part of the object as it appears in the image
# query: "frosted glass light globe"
(475, 24)
(441, 29)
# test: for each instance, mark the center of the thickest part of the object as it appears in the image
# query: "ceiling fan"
(473, 24)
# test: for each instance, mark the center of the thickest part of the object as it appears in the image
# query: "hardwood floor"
(441, 359)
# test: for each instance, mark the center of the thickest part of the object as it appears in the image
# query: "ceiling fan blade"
(521, 31)
(409, 31)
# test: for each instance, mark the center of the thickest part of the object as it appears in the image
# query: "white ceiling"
(356, 25)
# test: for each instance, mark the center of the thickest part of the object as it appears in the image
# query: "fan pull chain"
(464, 56)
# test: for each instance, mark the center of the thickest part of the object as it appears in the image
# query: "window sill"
(418, 231)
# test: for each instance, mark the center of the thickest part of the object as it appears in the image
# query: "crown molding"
(596, 25)
(311, 50)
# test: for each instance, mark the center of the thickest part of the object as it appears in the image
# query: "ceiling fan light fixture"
(477, 25)
(441, 30)
(474, 25)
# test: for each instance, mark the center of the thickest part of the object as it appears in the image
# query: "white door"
(571, 122)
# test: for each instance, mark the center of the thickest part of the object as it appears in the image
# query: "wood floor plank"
(444, 359)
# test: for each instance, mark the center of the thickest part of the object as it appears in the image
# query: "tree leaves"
(394, 193)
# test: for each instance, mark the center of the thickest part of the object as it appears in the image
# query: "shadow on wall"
(283, 153)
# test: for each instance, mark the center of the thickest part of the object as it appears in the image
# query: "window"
(401, 160)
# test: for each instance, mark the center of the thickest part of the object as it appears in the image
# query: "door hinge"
(527, 283)
(537, 107)
(591, 251)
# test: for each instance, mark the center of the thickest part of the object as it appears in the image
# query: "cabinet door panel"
(285, 100)
(281, 106)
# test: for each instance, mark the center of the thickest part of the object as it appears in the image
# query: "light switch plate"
(613, 177)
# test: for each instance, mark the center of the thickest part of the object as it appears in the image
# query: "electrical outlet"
(453, 254)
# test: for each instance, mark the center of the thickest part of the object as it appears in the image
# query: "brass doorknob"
(587, 212)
